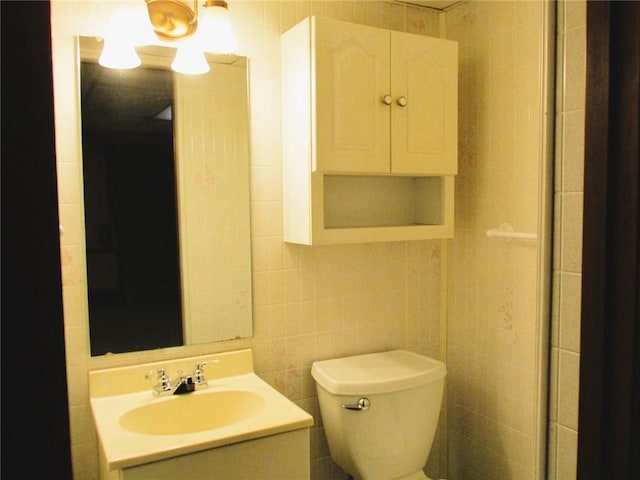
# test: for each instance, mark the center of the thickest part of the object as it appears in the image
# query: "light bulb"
(190, 59)
(123, 32)
(214, 28)
(118, 54)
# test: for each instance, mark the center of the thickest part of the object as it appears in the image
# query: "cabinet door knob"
(387, 99)
(402, 101)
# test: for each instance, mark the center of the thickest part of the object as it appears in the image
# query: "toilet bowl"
(380, 412)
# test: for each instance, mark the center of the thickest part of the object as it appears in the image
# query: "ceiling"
(125, 100)
(437, 4)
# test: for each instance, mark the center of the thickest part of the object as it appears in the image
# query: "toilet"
(380, 412)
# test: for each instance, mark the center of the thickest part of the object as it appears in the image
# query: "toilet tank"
(393, 436)
(381, 372)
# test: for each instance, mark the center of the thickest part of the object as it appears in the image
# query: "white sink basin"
(193, 412)
(135, 427)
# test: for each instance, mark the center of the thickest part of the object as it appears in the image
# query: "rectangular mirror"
(167, 207)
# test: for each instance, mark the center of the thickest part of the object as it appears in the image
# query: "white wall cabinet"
(369, 133)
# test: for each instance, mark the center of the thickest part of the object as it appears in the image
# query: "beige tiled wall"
(496, 321)
(309, 303)
(565, 339)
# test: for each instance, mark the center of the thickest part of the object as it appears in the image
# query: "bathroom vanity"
(236, 427)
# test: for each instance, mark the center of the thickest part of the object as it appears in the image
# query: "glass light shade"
(190, 59)
(118, 54)
(215, 33)
(127, 28)
(134, 24)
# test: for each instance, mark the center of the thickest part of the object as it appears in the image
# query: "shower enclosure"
(499, 261)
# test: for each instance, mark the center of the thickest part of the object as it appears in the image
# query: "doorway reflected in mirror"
(131, 222)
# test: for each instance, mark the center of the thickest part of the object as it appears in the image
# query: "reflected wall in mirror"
(167, 210)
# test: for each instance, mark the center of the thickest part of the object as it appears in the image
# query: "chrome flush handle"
(362, 405)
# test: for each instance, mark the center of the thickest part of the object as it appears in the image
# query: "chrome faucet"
(163, 385)
(198, 376)
(184, 384)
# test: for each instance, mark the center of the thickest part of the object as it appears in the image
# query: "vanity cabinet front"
(284, 456)
(363, 106)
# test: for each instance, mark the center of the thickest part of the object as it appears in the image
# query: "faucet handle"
(163, 384)
(198, 374)
(159, 373)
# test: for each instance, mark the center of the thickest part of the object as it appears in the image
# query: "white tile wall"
(565, 340)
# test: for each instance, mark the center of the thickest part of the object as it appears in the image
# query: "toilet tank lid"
(381, 372)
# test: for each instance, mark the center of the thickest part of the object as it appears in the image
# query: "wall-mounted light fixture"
(203, 28)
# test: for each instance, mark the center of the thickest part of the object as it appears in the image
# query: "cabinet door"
(424, 77)
(351, 75)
